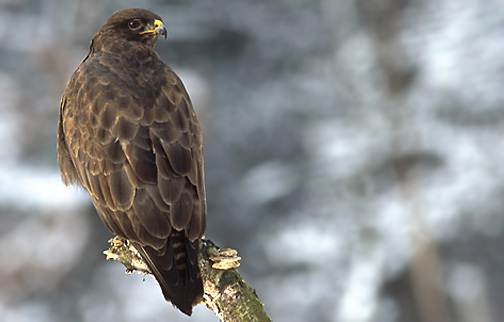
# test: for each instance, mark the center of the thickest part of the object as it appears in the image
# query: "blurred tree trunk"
(384, 20)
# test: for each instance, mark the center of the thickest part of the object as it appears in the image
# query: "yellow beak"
(158, 28)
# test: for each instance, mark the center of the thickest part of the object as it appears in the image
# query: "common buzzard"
(128, 134)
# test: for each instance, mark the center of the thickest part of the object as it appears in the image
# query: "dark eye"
(134, 24)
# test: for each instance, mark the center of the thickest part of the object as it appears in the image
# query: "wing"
(136, 147)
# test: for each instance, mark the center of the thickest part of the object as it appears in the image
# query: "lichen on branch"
(225, 292)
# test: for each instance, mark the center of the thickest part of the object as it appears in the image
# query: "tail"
(176, 269)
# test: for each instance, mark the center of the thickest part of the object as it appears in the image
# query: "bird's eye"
(134, 24)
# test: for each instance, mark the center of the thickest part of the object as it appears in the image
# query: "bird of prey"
(129, 136)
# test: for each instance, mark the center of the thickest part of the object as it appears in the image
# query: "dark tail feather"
(176, 270)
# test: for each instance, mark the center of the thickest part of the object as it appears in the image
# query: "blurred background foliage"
(354, 157)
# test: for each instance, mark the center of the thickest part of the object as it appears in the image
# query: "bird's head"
(133, 24)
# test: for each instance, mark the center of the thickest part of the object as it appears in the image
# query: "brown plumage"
(128, 134)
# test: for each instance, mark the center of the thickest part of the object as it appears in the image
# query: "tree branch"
(226, 292)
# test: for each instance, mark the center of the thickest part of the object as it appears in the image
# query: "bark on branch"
(226, 292)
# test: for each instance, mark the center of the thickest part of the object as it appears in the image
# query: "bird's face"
(137, 25)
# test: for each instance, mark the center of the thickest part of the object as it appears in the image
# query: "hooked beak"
(158, 29)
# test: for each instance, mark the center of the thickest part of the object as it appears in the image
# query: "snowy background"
(354, 156)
